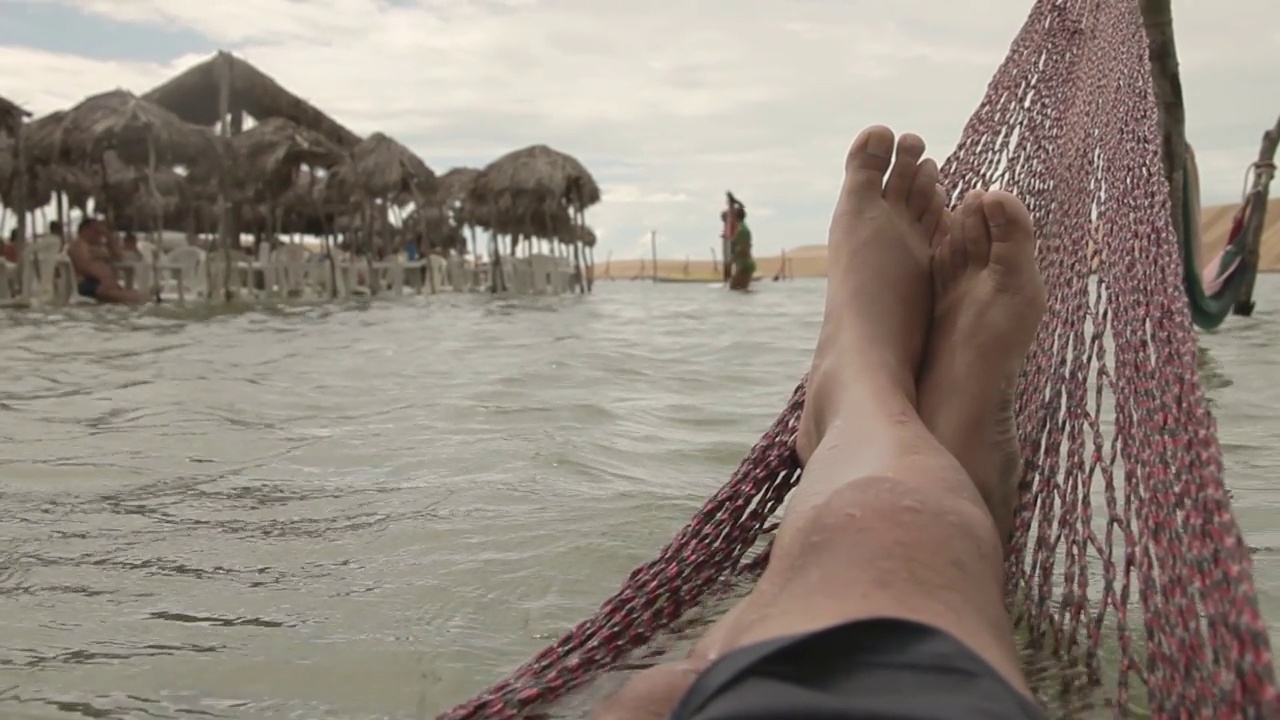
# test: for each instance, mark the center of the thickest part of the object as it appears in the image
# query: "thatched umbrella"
(536, 180)
(381, 170)
(379, 167)
(540, 172)
(456, 184)
(141, 133)
(269, 154)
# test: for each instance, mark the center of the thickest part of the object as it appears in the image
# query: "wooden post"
(222, 72)
(20, 212)
(653, 251)
(1263, 171)
(1157, 16)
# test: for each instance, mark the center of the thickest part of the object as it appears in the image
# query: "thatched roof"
(379, 167)
(537, 174)
(193, 96)
(40, 137)
(585, 235)
(11, 117)
(132, 127)
(276, 141)
(269, 154)
(456, 184)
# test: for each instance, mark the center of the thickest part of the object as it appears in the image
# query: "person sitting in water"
(739, 236)
(884, 594)
(91, 260)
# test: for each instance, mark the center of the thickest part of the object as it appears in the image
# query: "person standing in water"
(742, 264)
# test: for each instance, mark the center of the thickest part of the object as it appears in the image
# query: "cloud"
(670, 103)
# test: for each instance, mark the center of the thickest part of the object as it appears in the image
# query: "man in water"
(91, 259)
(884, 595)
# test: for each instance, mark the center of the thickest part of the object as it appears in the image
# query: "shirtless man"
(91, 259)
(884, 595)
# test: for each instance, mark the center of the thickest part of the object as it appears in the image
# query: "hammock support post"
(1157, 18)
(1263, 171)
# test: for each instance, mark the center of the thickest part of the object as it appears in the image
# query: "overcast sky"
(668, 102)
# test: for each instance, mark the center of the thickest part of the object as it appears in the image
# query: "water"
(371, 512)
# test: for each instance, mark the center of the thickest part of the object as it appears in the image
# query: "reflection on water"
(371, 511)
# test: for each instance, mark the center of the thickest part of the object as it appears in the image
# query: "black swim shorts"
(879, 669)
(88, 287)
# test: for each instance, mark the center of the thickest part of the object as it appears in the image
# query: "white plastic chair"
(290, 265)
(40, 261)
(460, 276)
(543, 272)
(188, 264)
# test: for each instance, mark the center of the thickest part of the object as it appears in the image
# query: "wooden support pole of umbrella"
(20, 212)
(222, 71)
(1264, 169)
(156, 222)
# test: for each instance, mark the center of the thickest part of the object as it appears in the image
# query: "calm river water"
(371, 512)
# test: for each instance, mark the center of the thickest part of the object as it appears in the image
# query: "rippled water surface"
(372, 511)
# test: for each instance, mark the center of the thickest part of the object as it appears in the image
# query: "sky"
(668, 102)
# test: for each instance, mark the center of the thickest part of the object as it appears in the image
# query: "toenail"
(996, 214)
(880, 145)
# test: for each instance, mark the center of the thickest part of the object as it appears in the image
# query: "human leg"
(885, 522)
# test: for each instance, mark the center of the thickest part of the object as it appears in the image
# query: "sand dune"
(811, 260)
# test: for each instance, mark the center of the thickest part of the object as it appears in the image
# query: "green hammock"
(1208, 311)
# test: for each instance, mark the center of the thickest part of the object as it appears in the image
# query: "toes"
(1008, 218)
(977, 235)
(868, 161)
(1013, 238)
(924, 188)
(905, 168)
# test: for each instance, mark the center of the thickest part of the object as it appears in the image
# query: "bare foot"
(879, 293)
(989, 299)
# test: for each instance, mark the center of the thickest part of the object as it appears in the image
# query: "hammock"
(1124, 534)
(1214, 290)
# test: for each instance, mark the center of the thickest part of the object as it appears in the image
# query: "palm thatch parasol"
(537, 175)
(40, 137)
(269, 154)
(140, 133)
(456, 184)
(381, 168)
(194, 97)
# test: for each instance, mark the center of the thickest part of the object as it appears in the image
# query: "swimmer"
(884, 596)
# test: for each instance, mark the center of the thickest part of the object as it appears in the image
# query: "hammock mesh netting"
(1127, 561)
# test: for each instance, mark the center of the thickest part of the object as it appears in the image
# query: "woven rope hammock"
(1125, 537)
